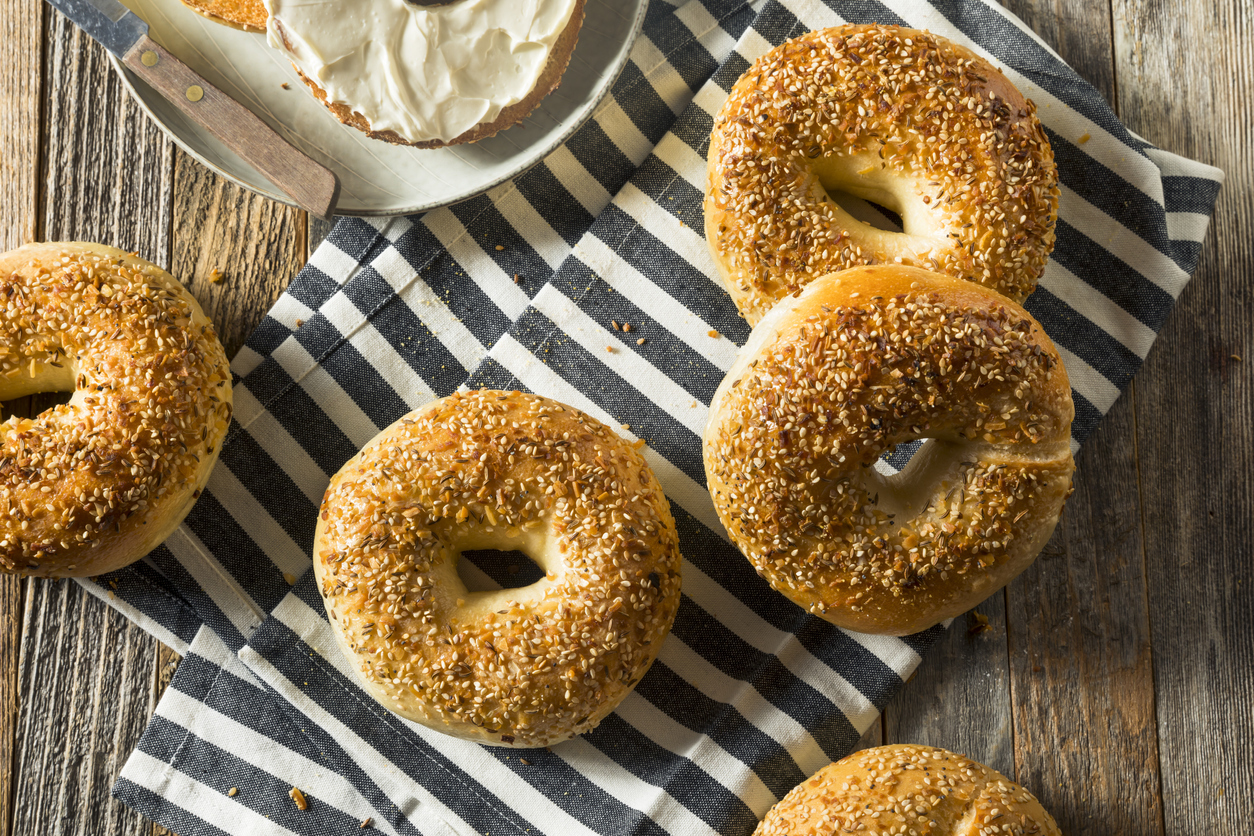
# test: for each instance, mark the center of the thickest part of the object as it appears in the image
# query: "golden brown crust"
(95, 484)
(900, 789)
(549, 81)
(249, 15)
(484, 469)
(858, 363)
(896, 116)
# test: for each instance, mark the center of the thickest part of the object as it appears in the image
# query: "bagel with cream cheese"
(428, 75)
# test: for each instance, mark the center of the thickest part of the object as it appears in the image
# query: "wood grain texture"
(255, 245)
(21, 36)
(21, 44)
(1186, 78)
(86, 681)
(1081, 667)
(874, 736)
(10, 695)
(318, 229)
(959, 698)
(106, 166)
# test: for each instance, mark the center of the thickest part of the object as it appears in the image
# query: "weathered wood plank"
(86, 679)
(1081, 667)
(1185, 82)
(873, 736)
(318, 229)
(255, 245)
(959, 698)
(86, 674)
(21, 44)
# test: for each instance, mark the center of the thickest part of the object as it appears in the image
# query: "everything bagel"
(92, 485)
(895, 116)
(900, 789)
(858, 363)
(498, 470)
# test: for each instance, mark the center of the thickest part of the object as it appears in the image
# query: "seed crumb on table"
(299, 798)
(233, 791)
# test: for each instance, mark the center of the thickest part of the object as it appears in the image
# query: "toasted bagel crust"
(94, 484)
(499, 470)
(896, 116)
(863, 361)
(890, 790)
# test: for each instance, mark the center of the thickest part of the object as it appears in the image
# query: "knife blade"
(116, 27)
(310, 185)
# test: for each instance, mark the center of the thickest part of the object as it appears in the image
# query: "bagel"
(94, 484)
(249, 15)
(428, 76)
(858, 363)
(895, 116)
(498, 470)
(901, 789)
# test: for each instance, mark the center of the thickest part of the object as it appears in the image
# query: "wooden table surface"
(1116, 676)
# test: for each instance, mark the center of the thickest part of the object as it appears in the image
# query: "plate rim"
(129, 80)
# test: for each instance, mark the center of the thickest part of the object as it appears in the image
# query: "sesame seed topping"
(907, 789)
(487, 469)
(861, 109)
(151, 406)
(796, 433)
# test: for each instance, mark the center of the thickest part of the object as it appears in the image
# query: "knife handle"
(311, 186)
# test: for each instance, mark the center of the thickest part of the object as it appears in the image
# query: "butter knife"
(310, 185)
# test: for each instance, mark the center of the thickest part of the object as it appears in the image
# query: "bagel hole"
(31, 406)
(869, 212)
(900, 456)
(483, 570)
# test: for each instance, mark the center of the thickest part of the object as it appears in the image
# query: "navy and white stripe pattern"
(749, 694)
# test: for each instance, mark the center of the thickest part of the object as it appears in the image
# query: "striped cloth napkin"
(518, 289)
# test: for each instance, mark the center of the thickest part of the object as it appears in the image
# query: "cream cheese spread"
(424, 72)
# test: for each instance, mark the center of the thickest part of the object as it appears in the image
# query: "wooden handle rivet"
(149, 58)
(195, 93)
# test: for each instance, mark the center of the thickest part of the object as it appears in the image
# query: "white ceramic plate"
(376, 178)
